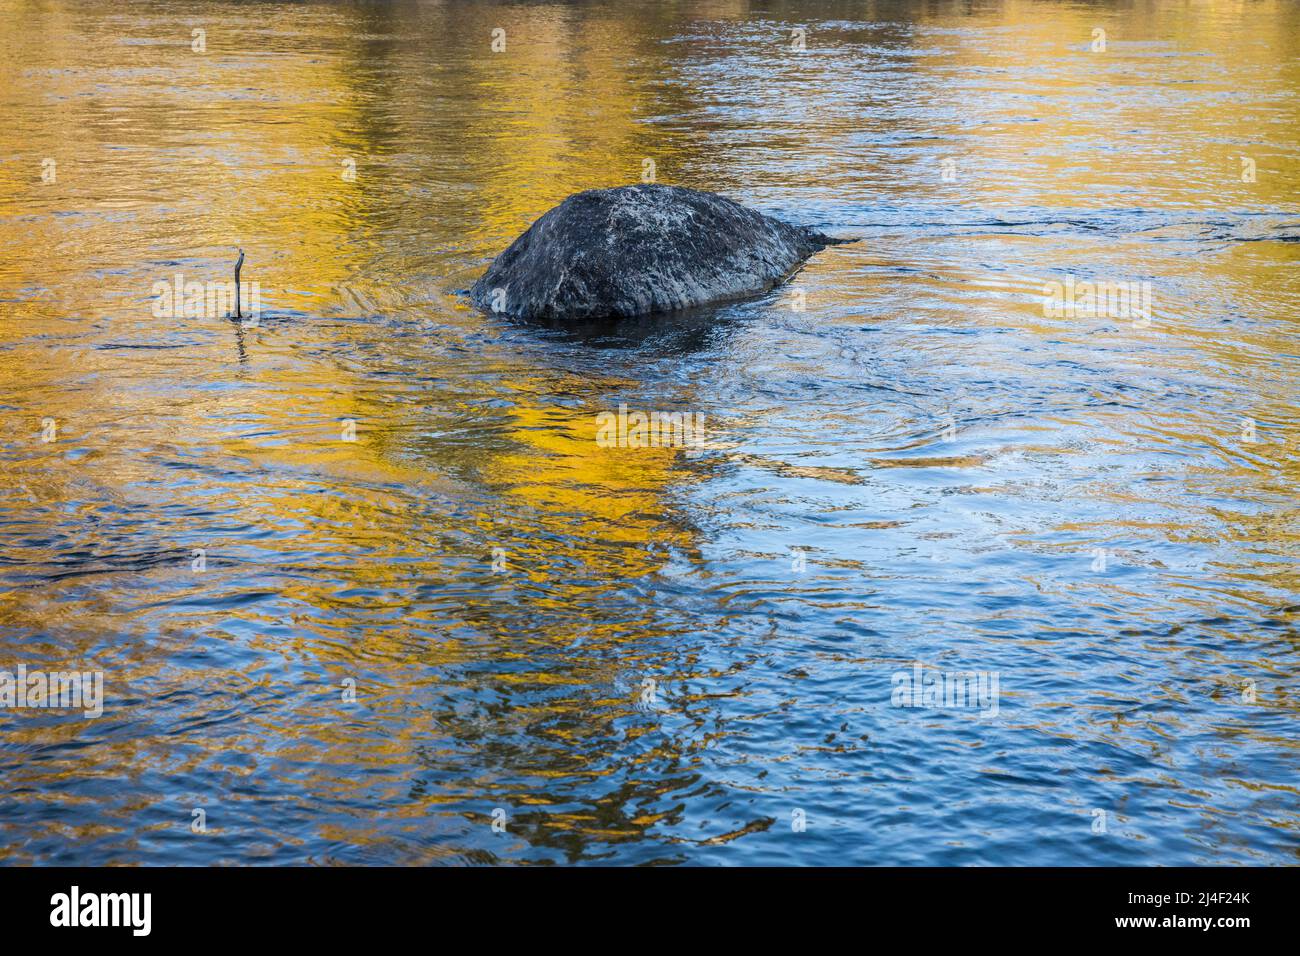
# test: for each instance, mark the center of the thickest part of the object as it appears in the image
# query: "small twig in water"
(238, 264)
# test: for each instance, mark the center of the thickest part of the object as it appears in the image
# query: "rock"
(635, 250)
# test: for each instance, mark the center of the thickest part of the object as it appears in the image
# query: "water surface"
(920, 467)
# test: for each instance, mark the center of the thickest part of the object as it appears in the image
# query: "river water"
(362, 583)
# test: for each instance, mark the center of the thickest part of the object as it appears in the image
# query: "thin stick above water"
(238, 314)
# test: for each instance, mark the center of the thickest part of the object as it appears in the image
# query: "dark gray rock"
(640, 249)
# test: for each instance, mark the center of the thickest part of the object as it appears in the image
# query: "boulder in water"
(636, 250)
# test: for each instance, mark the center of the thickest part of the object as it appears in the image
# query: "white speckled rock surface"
(635, 250)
